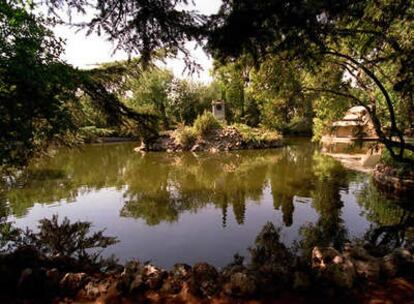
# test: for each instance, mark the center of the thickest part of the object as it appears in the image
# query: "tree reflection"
(392, 224)
(329, 230)
(290, 177)
(188, 182)
(159, 187)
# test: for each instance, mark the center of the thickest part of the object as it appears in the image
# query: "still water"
(184, 207)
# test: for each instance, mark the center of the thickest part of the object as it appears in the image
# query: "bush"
(205, 124)
(256, 135)
(185, 136)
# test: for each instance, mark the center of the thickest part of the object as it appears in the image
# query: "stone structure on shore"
(355, 125)
(219, 109)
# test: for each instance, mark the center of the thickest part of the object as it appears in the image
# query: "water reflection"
(216, 203)
(391, 225)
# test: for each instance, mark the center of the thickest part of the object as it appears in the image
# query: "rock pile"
(355, 264)
(226, 139)
(268, 275)
(389, 179)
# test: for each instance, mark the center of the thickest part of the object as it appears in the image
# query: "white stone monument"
(219, 109)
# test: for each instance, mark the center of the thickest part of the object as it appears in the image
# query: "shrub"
(205, 124)
(185, 136)
(256, 135)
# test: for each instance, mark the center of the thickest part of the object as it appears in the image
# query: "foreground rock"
(274, 273)
(226, 139)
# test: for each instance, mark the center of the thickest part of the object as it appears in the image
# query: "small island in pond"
(211, 134)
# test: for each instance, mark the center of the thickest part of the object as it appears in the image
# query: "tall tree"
(367, 39)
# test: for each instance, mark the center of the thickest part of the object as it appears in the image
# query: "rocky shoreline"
(225, 139)
(274, 274)
(388, 179)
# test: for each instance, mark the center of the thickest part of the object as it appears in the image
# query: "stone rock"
(341, 275)
(357, 252)
(204, 280)
(131, 269)
(403, 255)
(153, 276)
(92, 290)
(72, 282)
(137, 277)
(196, 148)
(176, 278)
(178, 275)
(137, 284)
(397, 262)
(366, 266)
(322, 257)
(241, 284)
(368, 269)
(97, 287)
(389, 265)
(333, 266)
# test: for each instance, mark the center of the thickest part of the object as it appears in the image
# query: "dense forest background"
(290, 66)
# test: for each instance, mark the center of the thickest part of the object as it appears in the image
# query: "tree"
(35, 86)
(150, 90)
(367, 39)
(234, 78)
(277, 87)
(189, 99)
(39, 94)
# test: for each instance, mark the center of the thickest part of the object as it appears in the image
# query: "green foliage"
(9, 235)
(277, 85)
(44, 100)
(205, 124)
(91, 133)
(185, 135)
(35, 88)
(233, 78)
(150, 93)
(256, 135)
(144, 27)
(269, 251)
(357, 51)
(402, 168)
(189, 99)
(69, 239)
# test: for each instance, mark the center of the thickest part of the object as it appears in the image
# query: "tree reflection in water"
(160, 187)
(392, 225)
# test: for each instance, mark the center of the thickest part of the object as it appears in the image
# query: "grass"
(256, 135)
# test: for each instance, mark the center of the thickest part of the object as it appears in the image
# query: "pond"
(184, 207)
